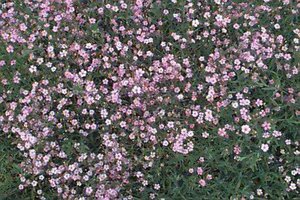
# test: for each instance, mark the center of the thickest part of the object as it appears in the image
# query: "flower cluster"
(103, 98)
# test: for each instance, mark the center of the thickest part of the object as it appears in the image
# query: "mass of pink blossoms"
(97, 94)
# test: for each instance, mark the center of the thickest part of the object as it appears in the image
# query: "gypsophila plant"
(149, 99)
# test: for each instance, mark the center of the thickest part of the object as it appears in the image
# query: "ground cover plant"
(149, 99)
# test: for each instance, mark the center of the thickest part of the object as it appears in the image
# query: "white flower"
(82, 73)
(259, 192)
(180, 96)
(32, 69)
(246, 129)
(265, 147)
(287, 179)
(293, 186)
(156, 186)
(205, 135)
(235, 104)
(136, 90)
(195, 23)
(108, 122)
(277, 26)
(165, 143)
(294, 172)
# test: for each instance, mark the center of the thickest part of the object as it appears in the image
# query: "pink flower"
(266, 126)
(202, 182)
(199, 171)
(10, 49)
(222, 132)
(237, 150)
